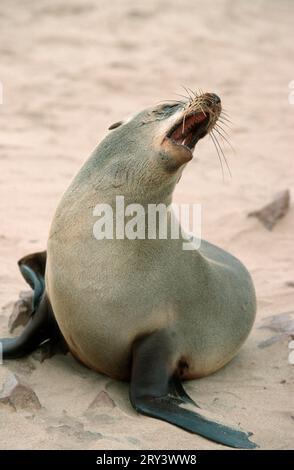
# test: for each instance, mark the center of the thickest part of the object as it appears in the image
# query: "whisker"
(224, 130)
(225, 110)
(183, 96)
(218, 154)
(193, 93)
(221, 150)
(224, 123)
(223, 116)
(190, 91)
(187, 91)
(224, 138)
(202, 110)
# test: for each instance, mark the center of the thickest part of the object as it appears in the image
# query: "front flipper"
(154, 392)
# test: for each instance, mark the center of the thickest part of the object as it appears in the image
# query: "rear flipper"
(155, 392)
(42, 326)
(32, 267)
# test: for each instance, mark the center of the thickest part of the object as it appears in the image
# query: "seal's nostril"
(215, 98)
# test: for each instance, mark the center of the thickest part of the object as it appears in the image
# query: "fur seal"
(142, 310)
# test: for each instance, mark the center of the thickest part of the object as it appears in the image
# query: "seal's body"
(203, 299)
(144, 310)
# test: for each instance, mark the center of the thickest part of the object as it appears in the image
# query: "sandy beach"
(69, 70)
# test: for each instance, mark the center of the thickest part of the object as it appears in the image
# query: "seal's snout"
(197, 119)
(211, 101)
(215, 98)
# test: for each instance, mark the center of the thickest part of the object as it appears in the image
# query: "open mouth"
(189, 130)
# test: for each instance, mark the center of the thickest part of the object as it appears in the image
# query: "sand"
(68, 71)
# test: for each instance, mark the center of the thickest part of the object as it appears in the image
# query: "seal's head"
(190, 124)
(152, 147)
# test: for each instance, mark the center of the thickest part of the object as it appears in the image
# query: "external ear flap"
(174, 156)
(115, 125)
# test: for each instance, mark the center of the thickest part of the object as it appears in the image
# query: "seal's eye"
(115, 125)
(167, 109)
